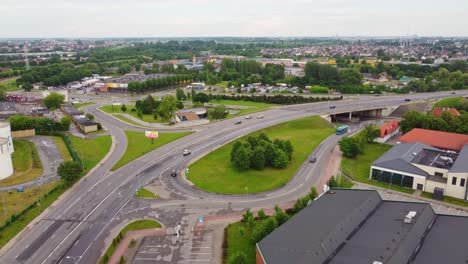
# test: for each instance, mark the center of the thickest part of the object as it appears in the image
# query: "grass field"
(358, 168)
(214, 172)
(26, 163)
(222, 84)
(16, 202)
(116, 109)
(91, 151)
(137, 225)
(449, 102)
(123, 118)
(239, 240)
(62, 148)
(139, 145)
(83, 104)
(447, 199)
(9, 85)
(144, 193)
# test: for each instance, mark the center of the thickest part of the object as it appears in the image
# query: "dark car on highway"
(313, 160)
(332, 106)
(238, 123)
(173, 173)
(407, 100)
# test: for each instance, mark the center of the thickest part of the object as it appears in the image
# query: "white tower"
(6, 148)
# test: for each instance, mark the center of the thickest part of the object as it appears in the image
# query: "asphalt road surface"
(75, 228)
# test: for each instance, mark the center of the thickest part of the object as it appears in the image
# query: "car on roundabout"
(173, 173)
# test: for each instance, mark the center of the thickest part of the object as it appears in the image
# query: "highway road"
(75, 228)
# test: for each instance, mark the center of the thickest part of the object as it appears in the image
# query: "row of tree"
(258, 152)
(272, 99)
(165, 108)
(446, 122)
(42, 125)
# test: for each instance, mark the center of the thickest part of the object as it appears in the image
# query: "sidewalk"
(125, 242)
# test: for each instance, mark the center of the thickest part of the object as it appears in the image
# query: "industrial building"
(6, 149)
(357, 226)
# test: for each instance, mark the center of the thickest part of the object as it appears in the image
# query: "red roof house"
(437, 112)
(438, 139)
(388, 128)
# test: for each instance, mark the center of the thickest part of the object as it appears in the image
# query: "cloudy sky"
(177, 18)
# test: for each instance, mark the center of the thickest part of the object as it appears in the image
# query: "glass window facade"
(394, 178)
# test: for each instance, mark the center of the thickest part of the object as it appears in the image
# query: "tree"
(258, 159)
(261, 214)
(180, 94)
(248, 218)
(281, 159)
(200, 97)
(124, 69)
(280, 216)
(89, 116)
(241, 157)
(65, 123)
(313, 193)
(351, 76)
(301, 203)
(54, 100)
(167, 107)
(239, 258)
(69, 171)
(219, 112)
(370, 133)
(332, 183)
(123, 108)
(2, 94)
(261, 231)
(350, 146)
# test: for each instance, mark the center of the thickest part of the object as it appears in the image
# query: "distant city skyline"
(241, 18)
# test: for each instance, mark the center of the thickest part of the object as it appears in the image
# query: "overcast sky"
(179, 18)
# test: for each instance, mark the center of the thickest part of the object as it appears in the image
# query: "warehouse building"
(358, 226)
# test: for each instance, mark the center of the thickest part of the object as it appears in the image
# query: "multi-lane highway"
(75, 228)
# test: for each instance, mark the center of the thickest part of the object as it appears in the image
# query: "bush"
(350, 146)
(239, 258)
(70, 171)
(219, 112)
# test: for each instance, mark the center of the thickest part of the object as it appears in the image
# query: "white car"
(186, 152)
(248, 117)
(260, 116)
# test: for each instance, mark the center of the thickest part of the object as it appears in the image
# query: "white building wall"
(6, 148)
(455, 190)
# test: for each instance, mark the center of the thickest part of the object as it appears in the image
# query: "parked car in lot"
(260, 116)
(187, 152)
(173, 173)
(313, 159)
(248, 117)
(238, 122)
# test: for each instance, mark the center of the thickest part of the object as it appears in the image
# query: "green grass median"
(215, 173)
(138, 145)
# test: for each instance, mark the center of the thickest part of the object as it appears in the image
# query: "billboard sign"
(151, 134)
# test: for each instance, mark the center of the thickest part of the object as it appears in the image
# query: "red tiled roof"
(437, 112)
(438, 139)
(388, 128)
(190, 116)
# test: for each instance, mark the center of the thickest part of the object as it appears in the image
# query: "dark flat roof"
(357, 226)
(447, 242)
